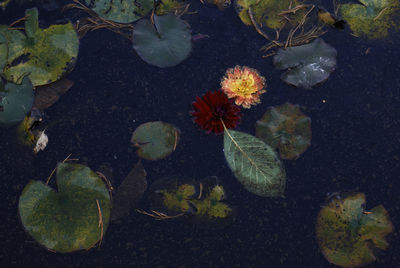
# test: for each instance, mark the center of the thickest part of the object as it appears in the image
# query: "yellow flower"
(244, 84)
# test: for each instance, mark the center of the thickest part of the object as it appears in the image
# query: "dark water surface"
(355, 147)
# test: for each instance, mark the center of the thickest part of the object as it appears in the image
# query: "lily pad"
(122, 11)
(374, 20)
(308, 64)
(47, 95)
(129, 192)
(72, 218)
(3, 51)
(164, 44)
(287, 128)
(348, 235)
(15, 101)
(155, 140)
(266, 12)
(254, 163)
(45, 55)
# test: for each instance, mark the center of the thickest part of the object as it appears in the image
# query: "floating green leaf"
(3, 51)
(164, 44)
(45, 55)
(266, 12)
(122, 11)
(374, 20)
(308, 64)
(15, 102)
(4, 3)
(155, 140)
(74, 217)
(347, 235)
(129, 192)
(254, 163)
(285, 127)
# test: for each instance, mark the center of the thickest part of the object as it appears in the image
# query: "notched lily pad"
(307, 65)
(45, 55)
(15, 101)
(164, 44)
(348, 235)
(122, 11)
(287, 128)
(266, 12)
(375, 19)
(155, 140)
(72, 218)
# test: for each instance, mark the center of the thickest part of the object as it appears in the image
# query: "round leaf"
(155, 140)
(15, 102)
(164, 44)
(348, 235)
(68, 219)
(254, 163)
(375, 19)
(287, 128)
(45, 55)
(3, 51)
(122, 11)
(308, 64)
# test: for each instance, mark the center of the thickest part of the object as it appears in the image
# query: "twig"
(380, 13)
(107, 181)
(159, 215)
(100, 222)
(54, 170)
(18, 20)
(250, 12)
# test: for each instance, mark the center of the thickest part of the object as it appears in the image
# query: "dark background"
(355, 147)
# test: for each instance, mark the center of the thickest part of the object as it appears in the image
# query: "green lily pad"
(254, 163)
(68, 219)
(15, 102)
(155, 140)
(122, 11)
(374, 20)
(164, 44)
(266, 12)
(4, 3)
(45, 55)
(3, 51)
(307, 65)
(347, 235)
(287, 128)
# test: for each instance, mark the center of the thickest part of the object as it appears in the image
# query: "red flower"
(213, 107)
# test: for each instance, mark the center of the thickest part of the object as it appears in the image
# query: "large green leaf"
(164, 44)
(155, 140)
(348, 235)
(68, 219)
(15, 102)
(3, 51)
(254, 163)
(308, 64)
(45, 55)
(123, 11)
(375, 19)
(287, 128)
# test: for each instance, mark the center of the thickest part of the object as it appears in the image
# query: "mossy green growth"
(347, 235)
(266, 12)
(374, 20)
(211, 206)
(75, 217)
(122, 11)
(169, 6)
(178, 200)
(44, 55)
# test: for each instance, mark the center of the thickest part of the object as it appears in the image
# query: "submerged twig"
(54, 170)
(100, 222)
(159, 215)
